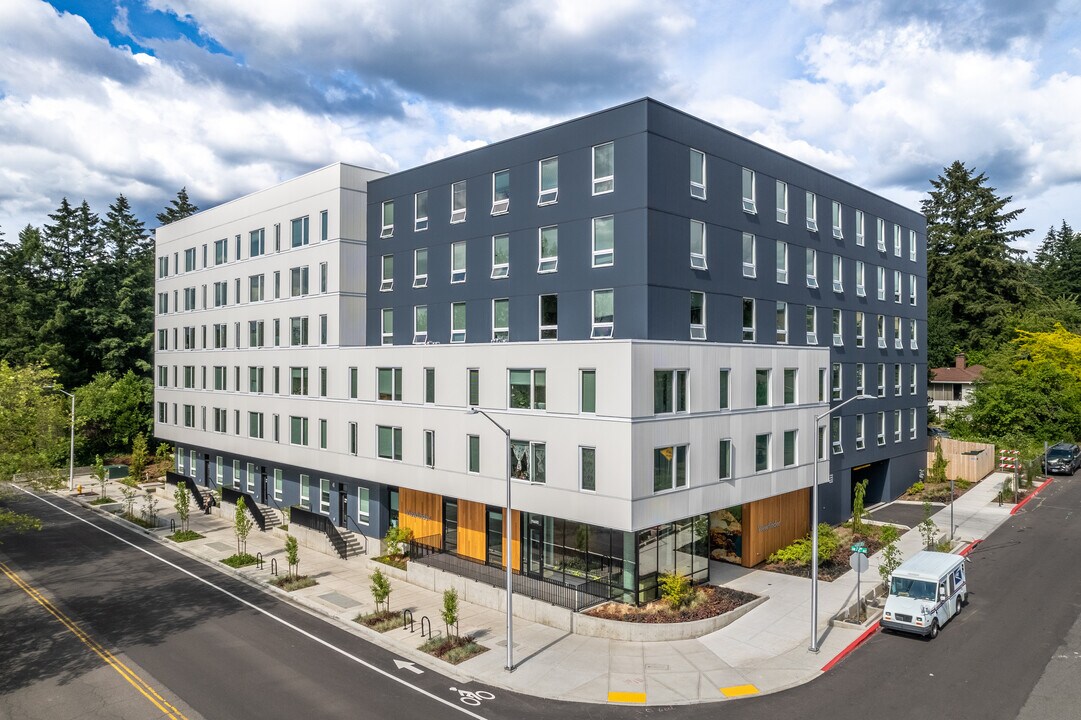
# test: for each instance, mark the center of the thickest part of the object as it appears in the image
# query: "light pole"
(71, 451)
(507, 536)
(814, 520)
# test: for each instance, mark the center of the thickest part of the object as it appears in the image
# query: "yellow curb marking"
(627, 697)
(121, 669)
(739, 690)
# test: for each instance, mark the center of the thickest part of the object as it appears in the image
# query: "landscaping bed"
(709, 601)
(240, 560)
(453, 649)
(936, 491)
(289, 583)
(395, 561)
(184, 536)
(103, 501)
(836, 564)
(381, 620)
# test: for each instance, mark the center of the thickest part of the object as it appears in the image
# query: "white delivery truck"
(925, 592)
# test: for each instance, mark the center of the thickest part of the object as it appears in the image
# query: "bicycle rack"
(424, 620)
(172, 526)
(407, 619)
(259, 560)
(274, 566)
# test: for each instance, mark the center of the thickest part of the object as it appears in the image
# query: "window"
(912, 381)
(429, 385)
(762, 452)
(748, 255)
(324, 495)
(420, 211)
(473, 453)
(163, 266)
(762, 394)
(860, 226)
(912, 290)
(322, 277)
(587, 468)
(363, 505)
(603, 314)
(189, 416)
(548, 170)
(790, 377)
(881, 238)
(548, 249)
(912, 245)
(300, 231)
(255, 424)
(698, 315)
(527, 389)
(698, 245)
(298, 331)
(748, 319)
(221, 294)
(790, 437)
(457, 322)
(881, 283)
(353, 449)
(389, 442)
(782, 262)
(322, 382)
(221, 252)
(603, 168)
(189, 260)
(388, 219)
(749, 205)
(189, 338)
(255, 288)
(420, 324)
(838, 270)
(913, 343)
(812, 268)
(897, 286)
(298, 430)
(298, 381)
(881, 331)
(897, 241)
(603, 241)
(880, 428)
(457, 262)
(861, 279)
(429, 448)
(255, 333)
(898, 341)
(860, 334)
(588, 397)
(500, 320)
(277, 284)
(219, 377)
(457, 202)
(420, 268)
(837, 233)
(527, 461)
(912, 424)
(389, 383)
(835, 381)
(782, 202)
(388, 326)
(782, 323)
(324, 225)
(500, 256)
(838, 328)
(860, 386)
(163, 303)
(698, 174)
(725, 460)
(881, 385)
(835, 435)
(724, 391)
(298, 281)
(500, 192)
(812, 212)
(189, 376)
(163, 339)
(860, 428)
(549, 317)
(669, 467)
(473, 386)
(669, 391)
(353, 383)
(189, 298)
(277, 237)
(897, 379)
(821, 384)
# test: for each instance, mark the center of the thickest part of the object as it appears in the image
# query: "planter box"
(653, 632)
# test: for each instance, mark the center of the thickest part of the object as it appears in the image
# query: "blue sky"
(99, 97)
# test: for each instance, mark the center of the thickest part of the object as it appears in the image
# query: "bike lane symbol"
(473, 698)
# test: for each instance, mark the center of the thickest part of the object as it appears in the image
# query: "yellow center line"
(121, 669)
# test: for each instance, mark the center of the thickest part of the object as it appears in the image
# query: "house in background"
(951, 387)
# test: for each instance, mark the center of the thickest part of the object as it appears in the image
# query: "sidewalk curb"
(1031, 495)
(851, 646)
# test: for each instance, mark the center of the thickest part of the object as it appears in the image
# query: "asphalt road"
(1014, 650)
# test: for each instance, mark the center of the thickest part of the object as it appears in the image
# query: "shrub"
(380, 588)
(891, 556)
(292, 555)
(184, 536)
(916, 488)
(139, 457)
(395, 537)
(859, 492)
(182, 504)
(927, 527)
(676, 590)
(799, 552)
(240, 560)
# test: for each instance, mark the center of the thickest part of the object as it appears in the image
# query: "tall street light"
(814, 520)
(71, 451)
(507, 536)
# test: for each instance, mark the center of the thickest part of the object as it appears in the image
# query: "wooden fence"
(966, 460)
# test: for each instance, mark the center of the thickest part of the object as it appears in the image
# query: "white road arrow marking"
(411, 667)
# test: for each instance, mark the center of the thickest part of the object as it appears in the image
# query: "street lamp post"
(814, 520)
(71, 450)
(507, 537)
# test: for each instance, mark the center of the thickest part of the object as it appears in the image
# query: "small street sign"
(859, 547)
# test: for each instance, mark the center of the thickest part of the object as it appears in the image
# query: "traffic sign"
(858, 562)
(859, 547)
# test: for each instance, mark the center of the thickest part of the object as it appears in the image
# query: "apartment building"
(320, 344)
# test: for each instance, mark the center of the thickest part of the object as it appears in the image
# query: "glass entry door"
(450, 525)
(534, 553)
(495, 537)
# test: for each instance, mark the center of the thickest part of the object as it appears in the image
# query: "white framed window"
(812, 325)
(457, 202)
(822, 384)
(913, 343)
(420, 324)
(835, 381)
(859, 369)
(912, 423)
(298, 281)
(724, 463)
(724, 396)
(812, 212)
(912, 245)
(897, 241)
(500, 192)
(500, 256)
(548, 309)
(763, 387)
(457, 262)
(880, 288)
(861, 279)
(762, 452)
(698, 315)
(298, 430)
(249, 476)
(881, 235)
(298, 381)
(353, 438)
(912, 290)
(457, 322)
(221, 251)
(298, 331)
(527, 389)
(881, 331)
(305, 492)
(782, 202)
(698, 174)
(669, 468)
(912, 381)
(790, 454)
(604, 168)
(838, 271)
(387, 283)
(353, 383)
(363, 505)
(812, 268)
(429, 386)
(323, 279)
(749, 262)
(300, 229)
(860, 330)
(860, 430)
(897, 379)
(782, 323)
(389, 442)
(881, 381)
(324, 496)
(698, 245)
(880, 430)
(837, 232)
(782, 262)
(429, 448)
(748, 319)
(749, 204)
(387, 321)
(603, 241)
(420, 267)
(255, 424)
(897, 286)
(548, 249)
(420, 211)
(500, 320)
(473, 453)
(860, 228)
(528, 461)
(587, 469)
(277, 484)
(548, 181)
(838, 328)
(898, 426)
(603, 314)
(835, 435)
(388, 220)
(898, 340)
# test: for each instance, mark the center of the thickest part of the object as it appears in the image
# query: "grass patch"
(289, 583)
(381, 620)
(240, 560)
(395, 561)
(102, 500)
(284, 527)
(138, 521)
(453, 649)
(184, 536)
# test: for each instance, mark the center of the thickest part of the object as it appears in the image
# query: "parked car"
(1062, 458)
(937, 432)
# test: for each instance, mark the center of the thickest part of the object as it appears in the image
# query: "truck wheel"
(934, 629)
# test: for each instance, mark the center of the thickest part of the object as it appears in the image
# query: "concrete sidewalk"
(763, 651)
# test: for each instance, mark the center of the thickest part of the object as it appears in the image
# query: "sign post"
(858, 562)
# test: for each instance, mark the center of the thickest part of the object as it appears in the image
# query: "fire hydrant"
(79, 489)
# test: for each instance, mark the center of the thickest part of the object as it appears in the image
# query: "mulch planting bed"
(710, 601)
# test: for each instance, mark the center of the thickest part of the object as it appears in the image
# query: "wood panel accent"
(421, 512)
(964, 467)
(472, 530)
(516, 540)
(774, 522)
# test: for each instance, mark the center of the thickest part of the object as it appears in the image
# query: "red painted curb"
(851, 646)
(1031, 495)
(970, 547)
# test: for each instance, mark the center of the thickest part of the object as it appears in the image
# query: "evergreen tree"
(25, 295)
(1058, 262)
(178, 208)
(974, 278)
(127, 320)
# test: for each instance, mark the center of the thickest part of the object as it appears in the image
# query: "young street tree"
(242, 525)
(292, 555)
(182, 504)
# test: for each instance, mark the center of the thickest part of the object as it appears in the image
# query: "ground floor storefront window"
(679, 547)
